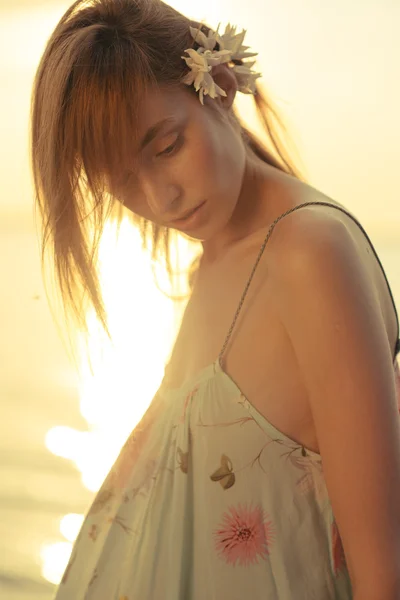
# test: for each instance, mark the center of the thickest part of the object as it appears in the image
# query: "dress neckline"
(214, 368)
(203, 373)
(207, 374)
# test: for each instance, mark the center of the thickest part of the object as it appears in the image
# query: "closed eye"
(172, 148)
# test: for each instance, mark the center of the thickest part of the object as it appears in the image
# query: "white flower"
(201, 64)
(202, 60)
(246, 78)
(208, 43)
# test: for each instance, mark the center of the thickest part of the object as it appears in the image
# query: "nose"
(161, 196)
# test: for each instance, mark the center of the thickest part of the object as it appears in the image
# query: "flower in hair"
(202, 60)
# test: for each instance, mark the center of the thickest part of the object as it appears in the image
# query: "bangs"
(104, 114)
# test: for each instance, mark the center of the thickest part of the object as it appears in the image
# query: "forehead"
(160, 104)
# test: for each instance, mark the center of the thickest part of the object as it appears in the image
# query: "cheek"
(135, 201)
(213, 160)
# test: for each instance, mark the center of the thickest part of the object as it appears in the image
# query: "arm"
(331, 313)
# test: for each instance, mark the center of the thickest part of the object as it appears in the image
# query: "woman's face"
(192, 158)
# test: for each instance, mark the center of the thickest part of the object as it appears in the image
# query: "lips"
(187, 214)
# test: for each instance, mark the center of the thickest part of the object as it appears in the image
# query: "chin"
(197, 237)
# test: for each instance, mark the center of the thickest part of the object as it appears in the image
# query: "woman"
(268, 463)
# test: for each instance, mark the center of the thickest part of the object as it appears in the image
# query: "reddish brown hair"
(100, 60)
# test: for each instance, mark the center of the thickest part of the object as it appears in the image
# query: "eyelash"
(172, 147)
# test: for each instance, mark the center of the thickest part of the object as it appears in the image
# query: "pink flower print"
(337, 549)
(102, 501)
(183, 460)
(93, 532)
(189, 396)
(244, 536)
(132, 449)
(128, 456)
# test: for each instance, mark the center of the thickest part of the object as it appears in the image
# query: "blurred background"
(332, 69)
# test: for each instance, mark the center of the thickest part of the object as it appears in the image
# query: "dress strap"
(397, 346)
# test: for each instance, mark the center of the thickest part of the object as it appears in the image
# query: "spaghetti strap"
(397, 345)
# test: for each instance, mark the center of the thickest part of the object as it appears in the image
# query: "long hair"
(100, 60)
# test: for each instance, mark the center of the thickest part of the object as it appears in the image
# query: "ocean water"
(38, 488)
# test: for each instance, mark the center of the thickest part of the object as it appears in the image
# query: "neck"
(249, 214)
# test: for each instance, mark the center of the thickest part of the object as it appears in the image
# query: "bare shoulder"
(322, 241)
(312, 221)
(314, 232)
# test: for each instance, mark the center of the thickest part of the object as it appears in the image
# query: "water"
(37, 488)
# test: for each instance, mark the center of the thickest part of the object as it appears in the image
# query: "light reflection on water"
(116, 389)
(54, 560)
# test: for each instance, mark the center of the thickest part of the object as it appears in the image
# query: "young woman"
(268, 463)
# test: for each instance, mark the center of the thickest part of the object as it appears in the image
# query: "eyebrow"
(154, 130)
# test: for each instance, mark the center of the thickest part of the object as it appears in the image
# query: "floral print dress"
(209, 501)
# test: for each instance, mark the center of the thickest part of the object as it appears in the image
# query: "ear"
(225, 78)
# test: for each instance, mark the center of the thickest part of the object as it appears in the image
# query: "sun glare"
(119, 383)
